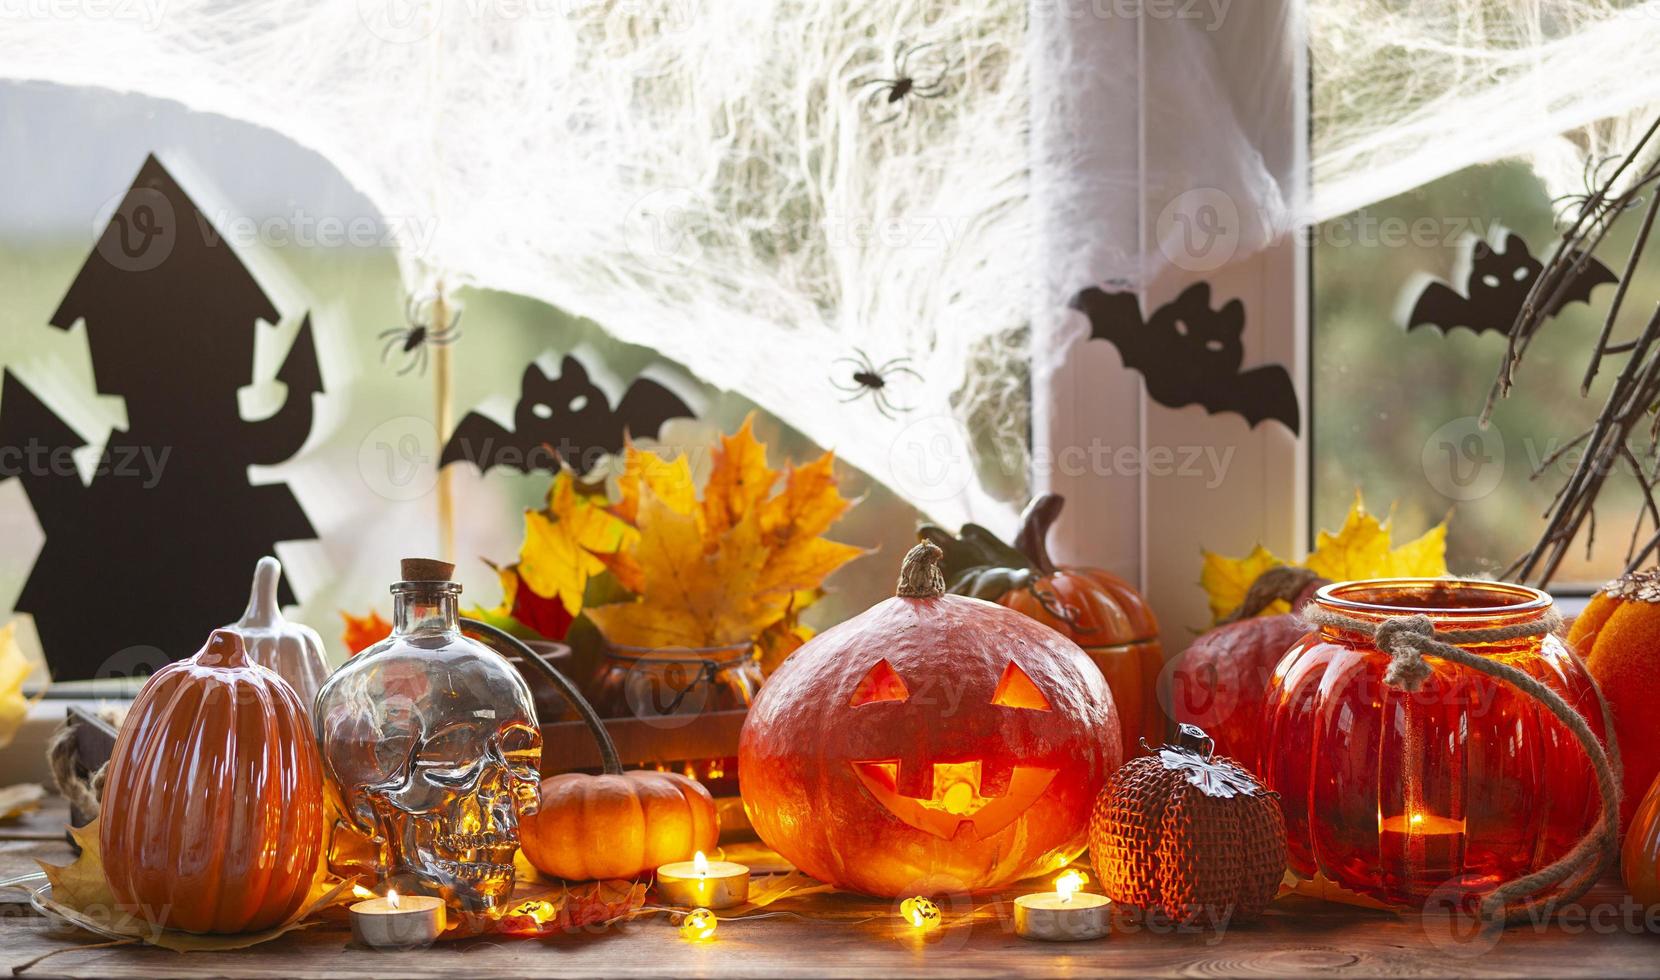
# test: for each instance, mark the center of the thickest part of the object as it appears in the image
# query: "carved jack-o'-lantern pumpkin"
(932, 740)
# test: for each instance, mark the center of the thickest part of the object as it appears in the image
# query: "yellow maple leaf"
(690, 597)
(669, 480)
(730, 569)
(81, 884)
(808, 505)
(563, 543)
(739, 480)
(14, 668)
(1225, 580)
(1362, 548)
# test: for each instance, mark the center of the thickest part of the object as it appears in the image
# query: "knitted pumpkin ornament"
(1187, 836)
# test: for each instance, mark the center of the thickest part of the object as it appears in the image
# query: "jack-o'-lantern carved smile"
(957, 804)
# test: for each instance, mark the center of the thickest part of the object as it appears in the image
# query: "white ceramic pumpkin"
(293, 650)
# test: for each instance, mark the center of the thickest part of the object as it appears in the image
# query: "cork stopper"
(919, 575)
(426, 570)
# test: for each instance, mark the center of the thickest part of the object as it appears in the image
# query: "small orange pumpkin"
(213, 809)
(1618, 636)
(618, 824)
(1089, 606)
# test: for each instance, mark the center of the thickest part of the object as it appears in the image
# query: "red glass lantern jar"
(1448, 790)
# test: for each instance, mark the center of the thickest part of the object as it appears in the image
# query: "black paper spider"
(414, 340)
(1596, 198)
(868, 379)
(888, 99)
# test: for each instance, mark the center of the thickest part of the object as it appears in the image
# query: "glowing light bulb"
(922, 914)
(1068, 884)
(698, 925)
(700, 864)
(1417, 819)
(392, 898)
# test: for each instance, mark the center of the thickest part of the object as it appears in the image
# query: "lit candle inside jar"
(1426, 845)
(1063, 915)
(398, 921)
(702, 883)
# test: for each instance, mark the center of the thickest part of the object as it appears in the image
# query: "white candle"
(702, 883)
(1063, 915)
(398, 921)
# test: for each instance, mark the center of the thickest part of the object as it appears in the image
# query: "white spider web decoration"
(726, 183)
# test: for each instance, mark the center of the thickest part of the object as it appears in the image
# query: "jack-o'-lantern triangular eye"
(880, 684)
(1016, 690)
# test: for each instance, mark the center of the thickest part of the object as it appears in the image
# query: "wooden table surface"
(1606, 935)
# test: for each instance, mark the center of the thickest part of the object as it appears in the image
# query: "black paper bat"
(1496, 287)
(567, 417)
(1189, 354)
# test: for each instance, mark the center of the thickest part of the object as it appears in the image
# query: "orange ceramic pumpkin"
(932, 742)
(617, 825)
(1090, 606)
(213, 808)
(1618, 636)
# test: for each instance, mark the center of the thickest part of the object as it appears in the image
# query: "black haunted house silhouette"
(156, 551)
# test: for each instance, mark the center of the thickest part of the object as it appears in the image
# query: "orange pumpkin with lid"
(212, 815)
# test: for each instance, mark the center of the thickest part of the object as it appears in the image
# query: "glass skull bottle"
(431, 748)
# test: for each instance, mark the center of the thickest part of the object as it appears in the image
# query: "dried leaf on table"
(82, 896)
(20, 799)
(81, 884)
(775, 888)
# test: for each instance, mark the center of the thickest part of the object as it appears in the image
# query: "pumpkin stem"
(919, 574)
(1035, 521)
(1194, 739)
(262, 597)
(1285, 582)
(224, 648)
(505, 643)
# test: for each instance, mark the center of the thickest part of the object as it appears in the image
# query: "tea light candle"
(1063, 915)
(702, 883)
(398, 921)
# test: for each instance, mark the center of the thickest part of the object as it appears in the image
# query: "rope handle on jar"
(1408, 640)
(503, 642)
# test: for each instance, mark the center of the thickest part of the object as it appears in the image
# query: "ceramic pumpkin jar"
(1466, 781)
(293, 650)
(934, 740)
(212, 813)
(1089, 606)
(1640, 853)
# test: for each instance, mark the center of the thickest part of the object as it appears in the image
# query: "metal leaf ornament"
(1213, 777)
